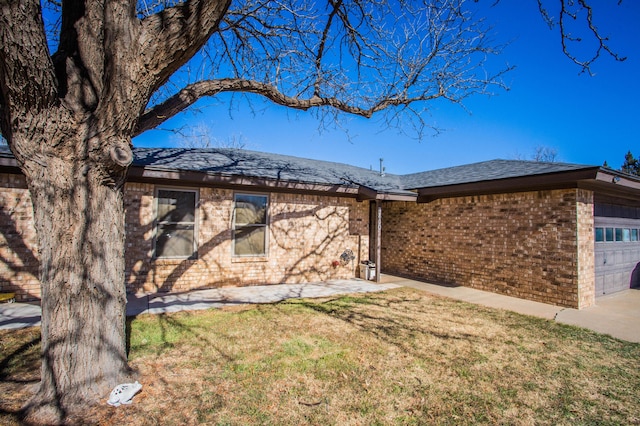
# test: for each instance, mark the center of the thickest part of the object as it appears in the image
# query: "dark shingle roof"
(239, 162)
(485, 171)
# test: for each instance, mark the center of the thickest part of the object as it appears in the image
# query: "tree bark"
(68, 118)
(79, 217)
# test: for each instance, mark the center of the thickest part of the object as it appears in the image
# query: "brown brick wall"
(522, 244)
(18, 242)
(586, 252)
(306, 234)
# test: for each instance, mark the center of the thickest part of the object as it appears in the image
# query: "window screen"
(175, 223)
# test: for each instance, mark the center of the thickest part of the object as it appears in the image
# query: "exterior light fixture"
(616, 179)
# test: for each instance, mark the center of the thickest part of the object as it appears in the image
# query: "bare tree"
(540, 153)
(200, 135)
(122, 67)
(545, 154)
(69, 118)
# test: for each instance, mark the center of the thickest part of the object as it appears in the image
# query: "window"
(624, 235)
(250, 225)
(609, 234)
(175, 223)
(618, 234)
(599, 235)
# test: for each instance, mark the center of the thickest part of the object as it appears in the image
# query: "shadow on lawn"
(24, 351)
(168, 322)
(397, 321)
(400, 320)
(19, 368)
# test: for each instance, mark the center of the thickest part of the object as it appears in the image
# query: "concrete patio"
(616, 314)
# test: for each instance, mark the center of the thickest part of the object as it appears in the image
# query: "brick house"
(199, 218)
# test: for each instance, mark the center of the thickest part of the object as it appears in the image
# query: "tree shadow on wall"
(306, 266)
(310, 254)
(23, 261)
(235, 166)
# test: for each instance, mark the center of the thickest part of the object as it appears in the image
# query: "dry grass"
(398, 357)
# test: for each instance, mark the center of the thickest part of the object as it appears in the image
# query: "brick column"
(586, 255)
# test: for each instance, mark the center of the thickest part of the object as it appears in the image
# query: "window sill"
(174, 260)
(249, 259)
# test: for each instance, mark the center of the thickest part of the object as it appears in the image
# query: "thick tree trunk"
(79, 217)
(68, 118)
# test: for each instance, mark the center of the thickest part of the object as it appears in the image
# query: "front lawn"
(397, 357)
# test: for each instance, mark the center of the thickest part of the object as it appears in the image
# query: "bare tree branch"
(172, 36)
(360, 58)
(572, 12)
(545, 154)
(189, 95)
(201, 135)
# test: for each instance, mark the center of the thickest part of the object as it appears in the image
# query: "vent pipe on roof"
(382, 168)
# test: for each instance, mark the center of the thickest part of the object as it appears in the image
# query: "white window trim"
(267, 226)
(196, 220)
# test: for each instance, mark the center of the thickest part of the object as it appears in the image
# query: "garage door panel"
(611, 284)
(617, 263)
(599, 285)
(619, 257)
(630, 256)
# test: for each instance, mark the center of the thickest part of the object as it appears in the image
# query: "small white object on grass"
(123, 394)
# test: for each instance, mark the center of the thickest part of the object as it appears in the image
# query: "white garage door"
(617, 254)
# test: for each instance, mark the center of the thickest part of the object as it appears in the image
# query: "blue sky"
(586, 119)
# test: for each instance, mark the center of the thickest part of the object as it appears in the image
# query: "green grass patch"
(399, 357)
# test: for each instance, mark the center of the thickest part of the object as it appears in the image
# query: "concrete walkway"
(617, 314)
(20, 315)
(229, 296)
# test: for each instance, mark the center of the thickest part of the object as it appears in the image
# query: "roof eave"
(195, 178)
(614, 187)
(368, 194)
(558, 180)
(390, 196)
(9, 162)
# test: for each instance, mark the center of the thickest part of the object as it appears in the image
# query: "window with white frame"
(250, 214)
(176, 223)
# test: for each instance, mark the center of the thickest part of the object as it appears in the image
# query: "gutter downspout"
(378, 238)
